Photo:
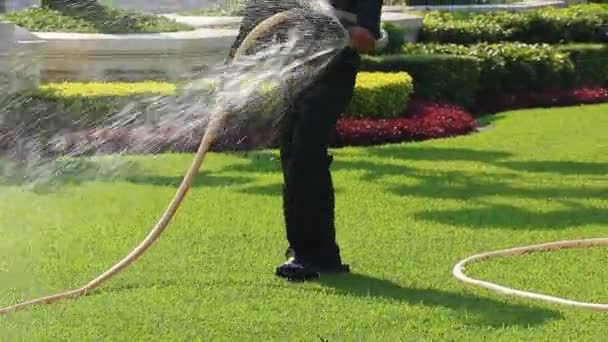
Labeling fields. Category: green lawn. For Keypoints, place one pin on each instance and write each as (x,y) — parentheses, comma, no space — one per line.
(406,213)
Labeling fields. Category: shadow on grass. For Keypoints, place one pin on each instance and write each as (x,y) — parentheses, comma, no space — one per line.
(494,158)
(201,180)
(402,152)
(558,167)
(460,186)
(275,189)
(485,311)
(267,162)
(430,183)
(472,187)
(486,121)
(52,176)
(509,217)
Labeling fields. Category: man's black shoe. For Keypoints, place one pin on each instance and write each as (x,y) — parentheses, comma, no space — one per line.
(294,269)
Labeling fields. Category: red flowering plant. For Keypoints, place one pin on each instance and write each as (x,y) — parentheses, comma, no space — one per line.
(421,120)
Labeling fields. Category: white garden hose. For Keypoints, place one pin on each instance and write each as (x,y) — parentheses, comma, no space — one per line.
(458,271)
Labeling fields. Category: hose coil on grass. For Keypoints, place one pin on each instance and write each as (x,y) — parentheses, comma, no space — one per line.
(458,271)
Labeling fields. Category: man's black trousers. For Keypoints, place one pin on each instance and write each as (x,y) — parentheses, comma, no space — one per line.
(304,133)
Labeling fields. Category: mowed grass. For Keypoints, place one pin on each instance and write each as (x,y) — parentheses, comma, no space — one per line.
(406,214)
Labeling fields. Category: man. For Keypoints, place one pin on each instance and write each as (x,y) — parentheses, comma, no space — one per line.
(305,128)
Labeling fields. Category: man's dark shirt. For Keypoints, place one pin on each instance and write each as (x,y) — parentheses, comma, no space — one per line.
(368,13)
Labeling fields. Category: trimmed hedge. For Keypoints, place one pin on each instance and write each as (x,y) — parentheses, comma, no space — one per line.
(512,67)
(461,74)
(578,23)
(590,63)
(448,78)
(380,94)
(509,67)
(94,90)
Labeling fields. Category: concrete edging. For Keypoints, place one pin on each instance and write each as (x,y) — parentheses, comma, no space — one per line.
(110,57)
(85,57)
(20,59)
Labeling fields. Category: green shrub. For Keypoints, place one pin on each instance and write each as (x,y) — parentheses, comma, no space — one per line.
(396,38)
(100,20)
(443,27)
(94,90)
(379,94)
(590,63)
(436,77)
(579,23)
(508,67)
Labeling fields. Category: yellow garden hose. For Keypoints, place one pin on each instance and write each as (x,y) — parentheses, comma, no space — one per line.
(211,133)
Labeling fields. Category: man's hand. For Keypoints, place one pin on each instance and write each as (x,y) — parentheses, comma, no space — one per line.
(361,39)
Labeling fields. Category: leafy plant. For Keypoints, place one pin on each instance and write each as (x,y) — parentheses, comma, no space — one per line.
(437,77)
(86,20)
(508,67)
(380,94)
(590,63)
(578,23)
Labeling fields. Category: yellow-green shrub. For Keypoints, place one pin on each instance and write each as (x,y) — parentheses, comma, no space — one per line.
(99,89)
(379,94)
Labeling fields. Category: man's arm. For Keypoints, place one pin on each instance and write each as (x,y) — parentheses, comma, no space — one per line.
(368,35)
(369,14)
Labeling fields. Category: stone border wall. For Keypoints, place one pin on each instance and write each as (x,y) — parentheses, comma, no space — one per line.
(129,57)
(20,59)
(106,57)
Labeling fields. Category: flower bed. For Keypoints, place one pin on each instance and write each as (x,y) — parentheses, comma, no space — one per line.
(543,98)
(422,120)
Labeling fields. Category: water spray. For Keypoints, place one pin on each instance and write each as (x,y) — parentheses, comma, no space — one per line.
(212,132)
(214,128)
